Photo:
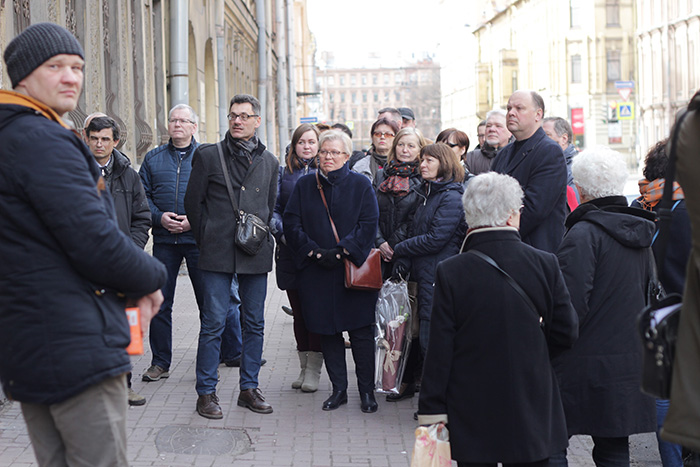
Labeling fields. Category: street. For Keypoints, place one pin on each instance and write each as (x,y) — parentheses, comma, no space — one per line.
(168,432)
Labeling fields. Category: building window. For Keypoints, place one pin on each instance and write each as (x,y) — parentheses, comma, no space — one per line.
(342,97)
(376,97)
(397,78)
(375,79)
(353,80)
(575,68)
(614,65)
(331,81)
(364,97)
(386,78)
(397,96)
(342,80)
(364,80)
(332,114)
(354,97)
(364,114)
(386,95)
(331,97)
(354,113)
(575,10)
(341,115)
(514,81)
(612,12)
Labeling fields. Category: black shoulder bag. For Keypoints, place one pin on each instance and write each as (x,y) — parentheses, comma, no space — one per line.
(658,321)
(251,231)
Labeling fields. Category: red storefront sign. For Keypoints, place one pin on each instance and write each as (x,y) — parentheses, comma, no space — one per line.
(577,120)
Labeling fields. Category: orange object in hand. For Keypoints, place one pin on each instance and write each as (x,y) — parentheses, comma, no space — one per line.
(133,315)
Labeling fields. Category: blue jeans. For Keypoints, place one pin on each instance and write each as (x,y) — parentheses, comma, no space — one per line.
(252,289)
(231,337)
(671,455)
(607,452)
(161,327)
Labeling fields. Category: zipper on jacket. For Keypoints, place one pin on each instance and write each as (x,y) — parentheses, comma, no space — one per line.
(177,187)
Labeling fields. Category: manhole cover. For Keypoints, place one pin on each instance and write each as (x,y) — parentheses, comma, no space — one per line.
(194,440)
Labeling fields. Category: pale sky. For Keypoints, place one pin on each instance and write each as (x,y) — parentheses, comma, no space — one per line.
(392,29)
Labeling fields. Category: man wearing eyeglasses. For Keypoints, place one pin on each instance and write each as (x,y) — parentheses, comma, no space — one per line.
(165,173)
(252,172)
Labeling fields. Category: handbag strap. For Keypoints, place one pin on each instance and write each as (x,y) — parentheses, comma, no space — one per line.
(227,178)
(511,282)
(325,203)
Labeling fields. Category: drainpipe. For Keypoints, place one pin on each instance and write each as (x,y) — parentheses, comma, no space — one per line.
(667,69)
(179,82)
(283,115)
(221,69)
(290,64)
(262,68)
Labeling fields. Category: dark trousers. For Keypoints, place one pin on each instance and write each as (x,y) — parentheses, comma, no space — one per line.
(362,341)
(542,463)
(607,452)
(161,327)
(307,341)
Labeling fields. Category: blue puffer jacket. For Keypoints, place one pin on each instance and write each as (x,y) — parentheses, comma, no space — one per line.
(285,269)
(165,176)
(436,234)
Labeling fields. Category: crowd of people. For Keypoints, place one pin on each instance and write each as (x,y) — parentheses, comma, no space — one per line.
(527,263)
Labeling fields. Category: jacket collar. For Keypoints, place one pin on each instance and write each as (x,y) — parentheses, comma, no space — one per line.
(610,204)
(193,145)
(490,234)
(516,158)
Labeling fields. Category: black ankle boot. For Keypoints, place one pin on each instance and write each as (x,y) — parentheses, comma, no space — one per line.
(337,399)
(368,403)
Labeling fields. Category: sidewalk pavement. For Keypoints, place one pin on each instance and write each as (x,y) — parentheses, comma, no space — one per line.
(168,432)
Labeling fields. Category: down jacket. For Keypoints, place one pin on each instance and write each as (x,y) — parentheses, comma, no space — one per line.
(437,232)
(396,212)
(66,268)
(165,176)
(605,259)
(285,269)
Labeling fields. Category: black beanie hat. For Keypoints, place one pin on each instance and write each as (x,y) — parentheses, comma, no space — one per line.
(36,44)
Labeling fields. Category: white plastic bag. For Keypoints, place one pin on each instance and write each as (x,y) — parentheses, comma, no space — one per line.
(431,449)
(393,336)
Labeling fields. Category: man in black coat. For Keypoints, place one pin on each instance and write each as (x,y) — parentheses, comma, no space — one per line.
(538,164)
(253,173)
(67,270)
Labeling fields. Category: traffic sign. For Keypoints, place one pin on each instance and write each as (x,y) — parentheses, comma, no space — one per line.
(624,89)
(625,110)
(308,120)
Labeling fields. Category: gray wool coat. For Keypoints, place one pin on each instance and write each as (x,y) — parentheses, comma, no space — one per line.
(210,212)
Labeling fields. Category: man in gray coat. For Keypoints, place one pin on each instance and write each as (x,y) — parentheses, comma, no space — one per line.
(253,173)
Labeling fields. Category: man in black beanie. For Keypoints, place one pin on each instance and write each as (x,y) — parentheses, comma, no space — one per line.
(67,271)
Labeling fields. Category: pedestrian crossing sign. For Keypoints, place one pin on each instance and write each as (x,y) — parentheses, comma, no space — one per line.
(625,110)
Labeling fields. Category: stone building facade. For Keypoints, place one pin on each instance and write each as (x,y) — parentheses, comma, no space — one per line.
(668,44)
(354,95)
(129,72)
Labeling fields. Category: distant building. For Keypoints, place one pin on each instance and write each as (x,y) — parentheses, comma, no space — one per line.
(668,44)
(354,95)
(571,52)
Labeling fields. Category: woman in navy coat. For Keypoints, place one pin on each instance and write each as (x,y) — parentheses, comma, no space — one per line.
(438,227)
(328,307)
(301,161)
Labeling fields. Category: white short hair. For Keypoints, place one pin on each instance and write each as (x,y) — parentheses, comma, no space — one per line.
(490,199)
(599,172)
(336,135)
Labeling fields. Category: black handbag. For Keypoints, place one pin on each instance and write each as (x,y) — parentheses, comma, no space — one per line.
(658,321)
(251,231)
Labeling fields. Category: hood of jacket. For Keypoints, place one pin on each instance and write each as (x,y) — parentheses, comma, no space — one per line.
(631,227)
(121,162)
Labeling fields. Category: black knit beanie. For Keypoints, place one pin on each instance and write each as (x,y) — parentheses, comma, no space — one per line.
(36,44)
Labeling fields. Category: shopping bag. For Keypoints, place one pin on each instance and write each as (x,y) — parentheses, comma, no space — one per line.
(393,321)
(431,449)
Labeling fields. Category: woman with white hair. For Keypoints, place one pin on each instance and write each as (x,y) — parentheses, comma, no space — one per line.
(605,259)
(487,373)
(319,249)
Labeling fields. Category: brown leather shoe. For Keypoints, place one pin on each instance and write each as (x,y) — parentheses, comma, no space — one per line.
(254,400)
(208,406)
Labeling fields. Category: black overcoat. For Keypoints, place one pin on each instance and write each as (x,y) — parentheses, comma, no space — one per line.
(540,168)
(328,306)
(488,361)
(605,259)
(210,212)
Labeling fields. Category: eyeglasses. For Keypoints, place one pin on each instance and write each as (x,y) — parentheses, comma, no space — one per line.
(333,154)
(385,134)
(181,121)
(244,117)
(97,139)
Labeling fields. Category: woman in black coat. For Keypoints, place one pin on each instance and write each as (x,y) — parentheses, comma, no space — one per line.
(487,371)
(397,197)
(328,307)
(437,229)
(301,161)
(605,259)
